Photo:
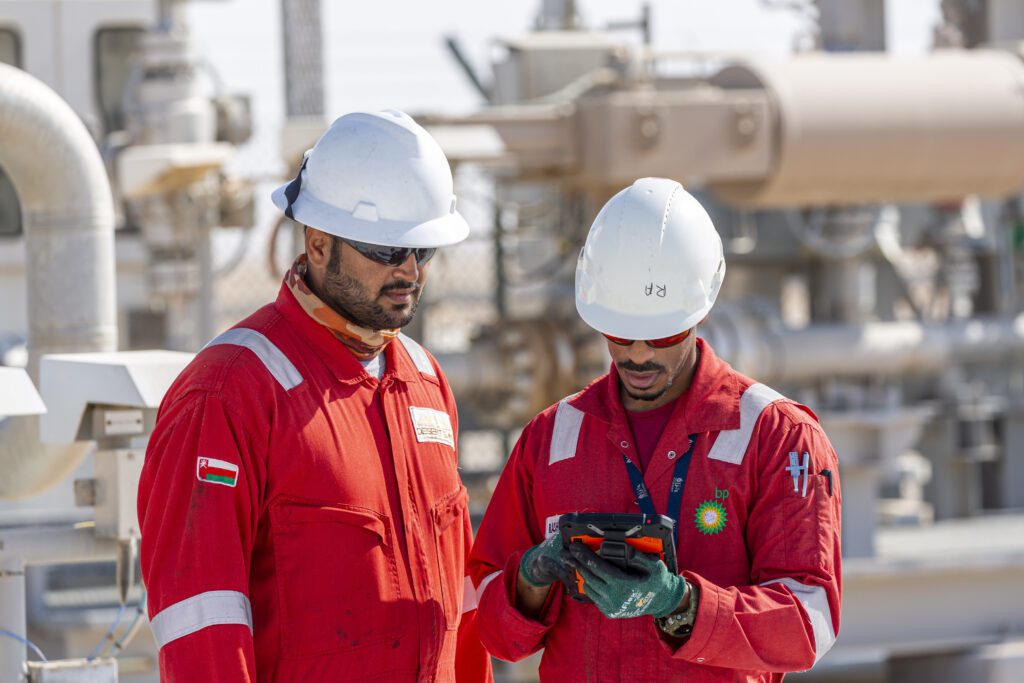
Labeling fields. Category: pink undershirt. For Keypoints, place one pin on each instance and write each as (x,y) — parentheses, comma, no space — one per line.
(647,426)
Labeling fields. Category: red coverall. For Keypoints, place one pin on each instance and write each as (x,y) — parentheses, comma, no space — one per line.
(303,521)
(766,557)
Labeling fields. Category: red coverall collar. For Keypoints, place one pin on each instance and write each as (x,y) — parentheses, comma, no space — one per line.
(712,403)
(336,355)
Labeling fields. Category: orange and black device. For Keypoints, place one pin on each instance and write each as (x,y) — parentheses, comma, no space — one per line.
(618,537)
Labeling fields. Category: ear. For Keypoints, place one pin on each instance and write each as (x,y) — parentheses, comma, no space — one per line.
(318,248)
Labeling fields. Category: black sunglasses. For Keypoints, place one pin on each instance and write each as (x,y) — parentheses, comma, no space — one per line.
(390,256)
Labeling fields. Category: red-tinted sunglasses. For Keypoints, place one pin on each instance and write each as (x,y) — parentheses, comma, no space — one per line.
(662,343)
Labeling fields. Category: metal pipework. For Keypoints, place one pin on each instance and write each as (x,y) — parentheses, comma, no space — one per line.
(517,369)
(513,372)
(36,545)
(759,346)
(68,217)
(863,128)
(815,129)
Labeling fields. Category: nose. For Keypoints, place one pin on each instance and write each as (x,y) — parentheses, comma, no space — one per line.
(409,270)
(640,353)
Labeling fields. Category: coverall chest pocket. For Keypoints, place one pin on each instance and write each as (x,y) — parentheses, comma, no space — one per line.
(449,537)
(337,578)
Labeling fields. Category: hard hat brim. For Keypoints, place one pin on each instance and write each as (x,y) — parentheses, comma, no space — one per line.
(442,231)
(636,326)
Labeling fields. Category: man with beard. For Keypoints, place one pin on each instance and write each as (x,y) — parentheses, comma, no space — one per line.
(302,517)
(747,476)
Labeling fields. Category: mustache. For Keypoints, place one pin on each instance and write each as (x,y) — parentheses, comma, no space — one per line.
(402,285)
(649,366)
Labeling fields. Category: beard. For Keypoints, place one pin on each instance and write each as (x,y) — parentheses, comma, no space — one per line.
(351,299)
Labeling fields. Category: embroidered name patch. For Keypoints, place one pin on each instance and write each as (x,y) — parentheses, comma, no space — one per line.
(214,471)
(432,426)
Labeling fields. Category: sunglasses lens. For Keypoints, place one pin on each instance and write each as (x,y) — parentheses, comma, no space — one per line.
(662,343)
(618,340)
(666,342)
(391,256)
(424,255)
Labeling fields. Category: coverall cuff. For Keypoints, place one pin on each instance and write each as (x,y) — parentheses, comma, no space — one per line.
(530,627)
(709,608)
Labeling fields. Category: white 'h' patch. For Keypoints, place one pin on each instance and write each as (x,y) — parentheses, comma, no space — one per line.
(551,526)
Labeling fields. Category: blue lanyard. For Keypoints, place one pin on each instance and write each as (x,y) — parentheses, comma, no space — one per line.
(675,494)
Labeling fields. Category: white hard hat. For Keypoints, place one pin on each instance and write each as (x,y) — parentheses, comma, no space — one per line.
(652,265)
(377,178)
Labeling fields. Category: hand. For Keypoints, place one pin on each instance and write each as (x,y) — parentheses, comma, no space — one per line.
(621,594)
(542,564)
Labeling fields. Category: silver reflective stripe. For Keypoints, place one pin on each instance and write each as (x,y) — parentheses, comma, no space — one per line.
(418,355)
(731,444)
(271,356)
(198,612)
(566,434)
(815,603)
(483,585)
(469,600)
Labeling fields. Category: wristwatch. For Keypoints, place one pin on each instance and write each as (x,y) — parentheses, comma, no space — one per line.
(680,624)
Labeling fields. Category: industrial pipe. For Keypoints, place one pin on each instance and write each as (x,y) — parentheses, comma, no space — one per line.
(763,348)
(868,127)
(68,218)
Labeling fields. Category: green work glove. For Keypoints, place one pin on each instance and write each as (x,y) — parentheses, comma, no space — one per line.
(621,594)
(542,564)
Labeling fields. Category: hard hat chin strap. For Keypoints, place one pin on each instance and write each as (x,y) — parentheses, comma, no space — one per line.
(291,193)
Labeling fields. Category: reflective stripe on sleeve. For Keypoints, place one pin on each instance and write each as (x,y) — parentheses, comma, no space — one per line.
(566,433)
(815,603)
(196,613)
(731,444)
(272,357)
(418,355)
(469,600)
(483,585)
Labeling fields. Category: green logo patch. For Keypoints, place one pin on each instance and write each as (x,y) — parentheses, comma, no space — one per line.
(710,518)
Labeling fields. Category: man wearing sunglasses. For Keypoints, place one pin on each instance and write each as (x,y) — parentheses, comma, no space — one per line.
(302,515)
(747,476)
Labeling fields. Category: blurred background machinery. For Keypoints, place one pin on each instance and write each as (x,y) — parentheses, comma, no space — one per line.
(870,207)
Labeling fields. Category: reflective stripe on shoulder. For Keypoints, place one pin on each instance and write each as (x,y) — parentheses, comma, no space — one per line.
(566,433)
(272,357)
(196,613)
(815,603)
(469,600)
(418,355)
(731,444)
(483,585)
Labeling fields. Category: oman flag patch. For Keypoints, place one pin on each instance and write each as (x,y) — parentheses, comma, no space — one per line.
(215,471)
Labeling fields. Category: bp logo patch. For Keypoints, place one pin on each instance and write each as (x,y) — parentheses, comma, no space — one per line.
(710,518)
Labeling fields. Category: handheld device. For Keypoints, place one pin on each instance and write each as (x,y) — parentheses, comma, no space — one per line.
(618,537)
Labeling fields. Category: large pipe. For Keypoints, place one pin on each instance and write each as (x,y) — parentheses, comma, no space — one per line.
(763,348)
(68,218)
(863,128)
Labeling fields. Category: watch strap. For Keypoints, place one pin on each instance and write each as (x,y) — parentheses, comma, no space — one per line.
(680,624)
